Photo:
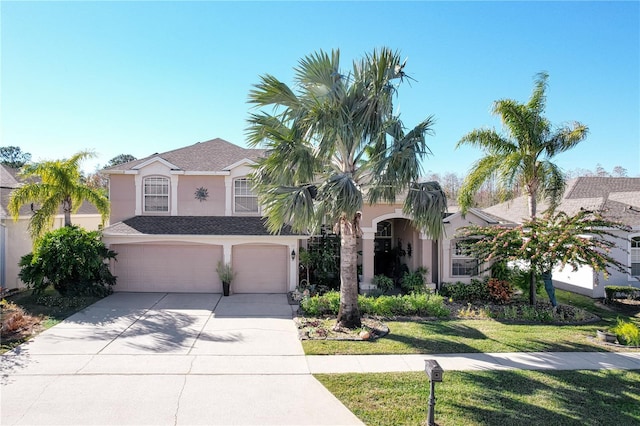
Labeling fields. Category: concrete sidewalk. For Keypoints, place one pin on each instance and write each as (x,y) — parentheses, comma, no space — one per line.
(475,361)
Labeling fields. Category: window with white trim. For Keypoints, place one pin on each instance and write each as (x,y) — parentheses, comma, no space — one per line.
(244,199)
(156,194)
(635,256)
(462,263)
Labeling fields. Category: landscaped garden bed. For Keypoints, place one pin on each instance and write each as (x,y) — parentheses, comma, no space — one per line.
(23,314)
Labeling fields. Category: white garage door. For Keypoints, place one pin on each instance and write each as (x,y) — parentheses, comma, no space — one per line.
(171,268)
(260,269)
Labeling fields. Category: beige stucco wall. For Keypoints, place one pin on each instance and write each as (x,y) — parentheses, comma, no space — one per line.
(18,243)
(369,213)
(122,195)
(455,222)
(188,205)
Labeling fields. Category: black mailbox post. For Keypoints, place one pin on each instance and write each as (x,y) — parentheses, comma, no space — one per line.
(434,372)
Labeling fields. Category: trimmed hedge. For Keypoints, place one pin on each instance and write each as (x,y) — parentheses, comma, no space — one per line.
(417,304)
(613,290)
(474,292)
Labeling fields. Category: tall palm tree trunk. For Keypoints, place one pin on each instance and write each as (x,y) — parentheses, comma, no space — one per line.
(66,209)
(533,205)
(532,196)
(349,313)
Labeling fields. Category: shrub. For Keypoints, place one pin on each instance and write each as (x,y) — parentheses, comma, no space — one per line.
(14,320)
(612,291)
(477,290)
(414,304)
(501,271)
(426,304)
(414,282)
(383,283)
(627,332)
(500,290)
(327,304)
(72,260)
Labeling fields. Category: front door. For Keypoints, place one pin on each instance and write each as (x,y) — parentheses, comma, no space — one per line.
(383,253)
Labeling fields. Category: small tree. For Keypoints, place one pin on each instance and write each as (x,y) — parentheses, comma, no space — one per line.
(545,243)
(72,260)
(55,184)
(13,156)
(120,159)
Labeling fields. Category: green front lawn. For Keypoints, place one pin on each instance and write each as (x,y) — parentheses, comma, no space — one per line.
(485,335)
(461,336)
(492,397)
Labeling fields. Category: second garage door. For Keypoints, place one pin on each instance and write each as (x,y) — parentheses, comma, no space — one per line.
(260,268)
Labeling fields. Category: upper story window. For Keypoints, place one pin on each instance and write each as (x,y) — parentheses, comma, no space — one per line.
(635,256)
(244,199)
(156,194)
(462,262)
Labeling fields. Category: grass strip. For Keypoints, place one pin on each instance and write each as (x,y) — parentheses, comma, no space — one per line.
(514,397)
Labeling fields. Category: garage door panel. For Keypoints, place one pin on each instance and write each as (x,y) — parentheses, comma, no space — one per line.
(170,268)
(260,269)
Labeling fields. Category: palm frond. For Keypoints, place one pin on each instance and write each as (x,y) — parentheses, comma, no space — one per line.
(566,138)
(481,171)
(341,194)
(293,206)
(488,140)
(538,100)
(426,203)
(272,92)
(552,184)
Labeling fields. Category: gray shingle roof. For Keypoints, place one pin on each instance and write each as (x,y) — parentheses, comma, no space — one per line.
(192,225)
(211,156)
(616,198)
(8,182)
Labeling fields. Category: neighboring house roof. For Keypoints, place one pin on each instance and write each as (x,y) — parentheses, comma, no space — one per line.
(8,183)
(192,225)
(215,155)
(452,211)
(617,198)
(10,180)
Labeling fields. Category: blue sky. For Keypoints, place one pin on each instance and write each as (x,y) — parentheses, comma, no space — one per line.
(143,77)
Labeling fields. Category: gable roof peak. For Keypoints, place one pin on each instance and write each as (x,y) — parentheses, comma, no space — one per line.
(214,155)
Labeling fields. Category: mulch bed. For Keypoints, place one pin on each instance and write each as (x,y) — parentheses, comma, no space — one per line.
(324,329)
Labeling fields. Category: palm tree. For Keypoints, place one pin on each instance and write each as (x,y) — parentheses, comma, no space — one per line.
(333,144)
(52,184)
(521,159)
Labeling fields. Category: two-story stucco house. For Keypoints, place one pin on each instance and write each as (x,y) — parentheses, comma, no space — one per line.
(175,215)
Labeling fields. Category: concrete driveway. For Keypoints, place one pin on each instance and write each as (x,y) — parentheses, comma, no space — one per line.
(168,359)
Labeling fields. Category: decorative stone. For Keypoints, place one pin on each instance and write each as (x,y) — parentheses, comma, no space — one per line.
(365,335)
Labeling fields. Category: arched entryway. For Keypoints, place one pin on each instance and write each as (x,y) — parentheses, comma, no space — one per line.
(391,245)
(393,248)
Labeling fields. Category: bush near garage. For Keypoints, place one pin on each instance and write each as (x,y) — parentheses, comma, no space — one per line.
(72,260)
